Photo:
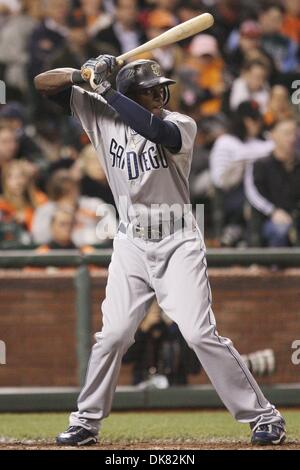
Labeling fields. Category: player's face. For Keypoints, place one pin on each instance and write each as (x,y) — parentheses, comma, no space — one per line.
(151,99)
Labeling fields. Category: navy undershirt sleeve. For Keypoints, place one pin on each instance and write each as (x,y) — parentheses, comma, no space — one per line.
(153,128)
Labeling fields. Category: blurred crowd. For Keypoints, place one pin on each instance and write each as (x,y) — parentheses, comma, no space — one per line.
(239,81)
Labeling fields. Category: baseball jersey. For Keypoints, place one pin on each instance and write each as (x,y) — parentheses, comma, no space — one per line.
(142,175)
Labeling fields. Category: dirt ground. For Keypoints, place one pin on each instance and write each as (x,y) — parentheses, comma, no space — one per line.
(149,446)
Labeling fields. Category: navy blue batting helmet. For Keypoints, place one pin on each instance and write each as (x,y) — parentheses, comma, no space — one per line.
(141,74)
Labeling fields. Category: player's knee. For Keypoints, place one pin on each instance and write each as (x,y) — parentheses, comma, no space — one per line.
(198,336)
(118,339)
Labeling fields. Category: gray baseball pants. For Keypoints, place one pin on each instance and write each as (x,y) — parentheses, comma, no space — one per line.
(173,270)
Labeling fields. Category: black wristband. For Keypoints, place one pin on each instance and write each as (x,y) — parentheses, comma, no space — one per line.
(76,77)
(109,93)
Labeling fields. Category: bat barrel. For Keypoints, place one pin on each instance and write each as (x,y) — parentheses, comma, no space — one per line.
(173,35)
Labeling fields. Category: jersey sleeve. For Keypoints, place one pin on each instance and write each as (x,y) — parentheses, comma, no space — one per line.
(188,130)
(90,109)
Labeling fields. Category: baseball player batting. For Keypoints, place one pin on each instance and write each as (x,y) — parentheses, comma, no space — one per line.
(146,152)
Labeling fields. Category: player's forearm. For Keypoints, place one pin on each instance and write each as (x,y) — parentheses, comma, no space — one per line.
(56,80)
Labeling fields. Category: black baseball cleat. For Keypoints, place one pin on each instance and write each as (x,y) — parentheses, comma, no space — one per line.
(268,434)
(76,436)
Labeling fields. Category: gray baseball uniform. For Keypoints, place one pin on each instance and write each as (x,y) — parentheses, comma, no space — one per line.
(173,269)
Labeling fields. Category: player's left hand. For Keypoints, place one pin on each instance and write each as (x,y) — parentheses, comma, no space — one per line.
(101,68)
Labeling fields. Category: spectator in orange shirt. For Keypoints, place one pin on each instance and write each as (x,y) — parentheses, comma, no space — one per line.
(203,76)
(279,106)
(19,200)
(291,20)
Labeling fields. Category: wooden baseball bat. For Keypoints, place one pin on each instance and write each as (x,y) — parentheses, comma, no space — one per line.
(175,34)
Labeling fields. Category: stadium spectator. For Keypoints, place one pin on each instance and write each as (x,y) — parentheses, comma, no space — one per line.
(47,39)
(272,187)
(78,47)
(14,53)
(124,34)
(242,44)
(13,116)
(94,14)
(89,172)
(228,160)
(18,202)
(291,20)
(171,5)
(169,57)
(227,15)
(201,186)
(160,356)
(275,43)
(187,9)
(255,55)
(279,106)
(49,36)
(61,228)
(94,220)
(9,147)
(252,84)
(8,144)
(7,9)
(202,76)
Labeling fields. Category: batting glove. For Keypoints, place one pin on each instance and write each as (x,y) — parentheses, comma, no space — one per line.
(101,68)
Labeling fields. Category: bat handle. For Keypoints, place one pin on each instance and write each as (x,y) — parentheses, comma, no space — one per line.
(87,72)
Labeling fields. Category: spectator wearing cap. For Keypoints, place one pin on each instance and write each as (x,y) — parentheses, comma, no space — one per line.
(252,84)
(275,43)
(202,76)
(244,45)
(169,57)
(12,115)
(273,188)
(230,155)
